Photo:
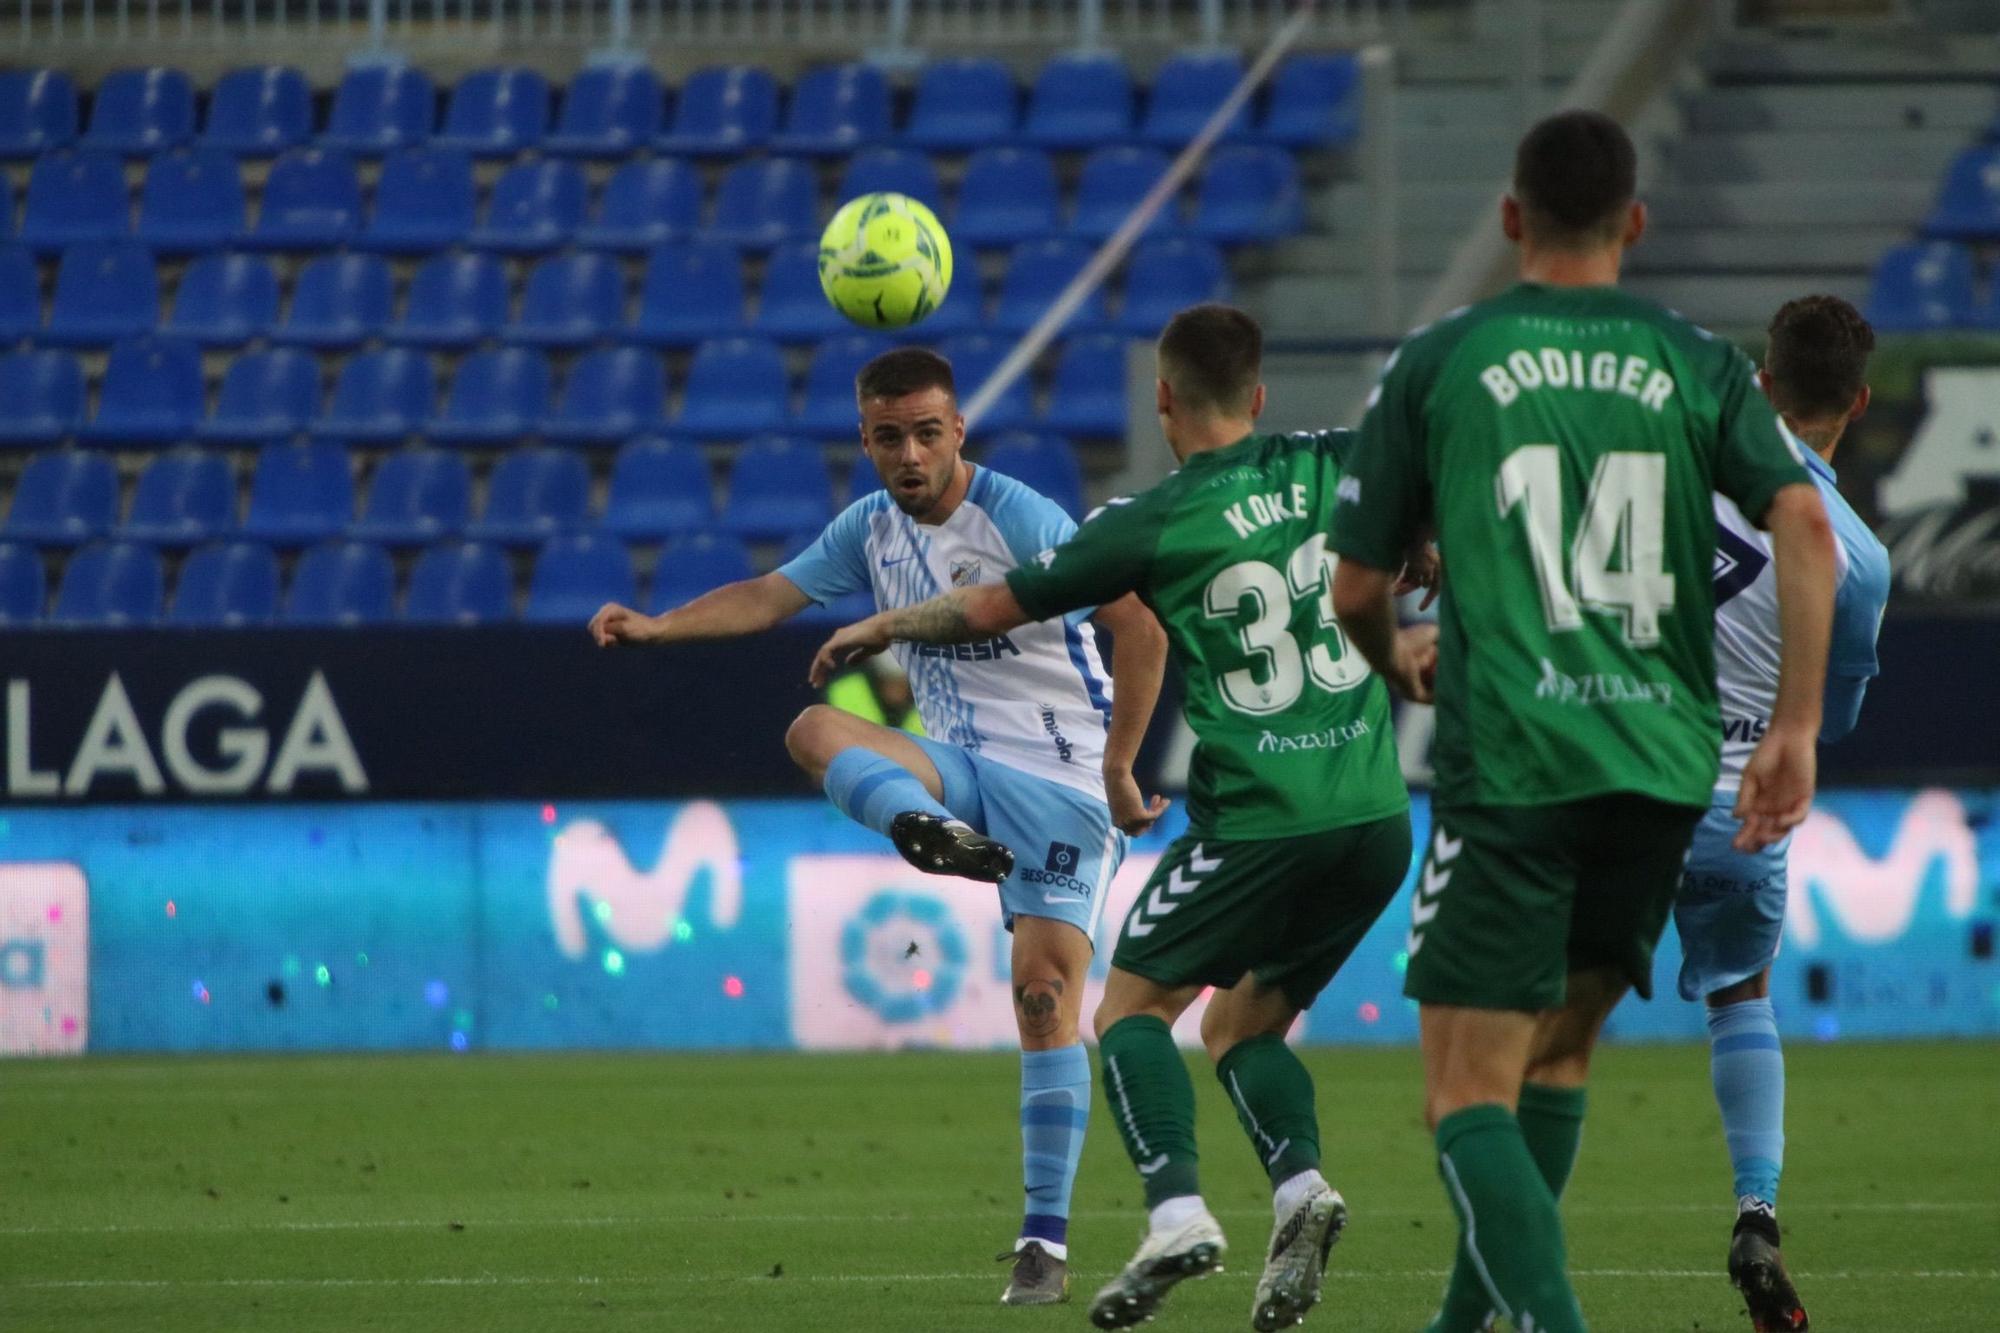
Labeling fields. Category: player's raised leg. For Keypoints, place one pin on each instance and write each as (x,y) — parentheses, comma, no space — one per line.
(883,779)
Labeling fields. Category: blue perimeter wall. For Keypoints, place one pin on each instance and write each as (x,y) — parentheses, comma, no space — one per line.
(771,923)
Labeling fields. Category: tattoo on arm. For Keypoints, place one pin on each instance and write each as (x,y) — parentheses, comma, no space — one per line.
(1040,1006)
(940,620)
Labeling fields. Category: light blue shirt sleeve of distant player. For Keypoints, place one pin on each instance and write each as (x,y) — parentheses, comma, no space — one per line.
(836,563)
(1029,521)
(1858,604)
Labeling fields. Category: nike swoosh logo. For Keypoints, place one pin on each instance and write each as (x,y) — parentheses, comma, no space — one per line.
(1148,1168)
(886,561)
(1062,897)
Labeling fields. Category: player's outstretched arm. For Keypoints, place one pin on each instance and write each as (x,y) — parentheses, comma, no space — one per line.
(744,607)
(1363,601)
(1778,781)
(963,615)
(1138,663)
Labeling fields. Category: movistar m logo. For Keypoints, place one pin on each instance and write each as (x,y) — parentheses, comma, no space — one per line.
(1872,899)
(639,909)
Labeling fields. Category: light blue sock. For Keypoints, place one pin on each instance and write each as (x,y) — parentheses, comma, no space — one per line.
(1055,1107)
(1748,1068)
(872,790)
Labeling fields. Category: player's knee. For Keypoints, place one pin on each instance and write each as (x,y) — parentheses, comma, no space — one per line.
(812,739)
(1044,1010)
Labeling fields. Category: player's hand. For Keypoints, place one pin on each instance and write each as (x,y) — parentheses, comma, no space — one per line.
(1414,672)
(851,644)
(1424,569)
(1777,789)
(614,624)
(1130,810)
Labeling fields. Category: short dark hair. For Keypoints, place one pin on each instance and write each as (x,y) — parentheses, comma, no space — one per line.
(1212,356)
(1574,175)
(1817,357)
(902,371)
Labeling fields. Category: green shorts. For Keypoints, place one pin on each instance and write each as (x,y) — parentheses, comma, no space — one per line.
(1514,898)
(1289,910)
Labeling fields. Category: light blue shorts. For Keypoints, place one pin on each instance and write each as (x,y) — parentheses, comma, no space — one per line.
(1730,910)
(1065,849)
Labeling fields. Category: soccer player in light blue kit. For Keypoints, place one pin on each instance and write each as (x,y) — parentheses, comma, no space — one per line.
(1730,911)
(1025,775)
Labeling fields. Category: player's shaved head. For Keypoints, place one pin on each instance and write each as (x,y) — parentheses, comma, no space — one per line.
(1817,360)
(1575,175)
(1212,357)
(902,372)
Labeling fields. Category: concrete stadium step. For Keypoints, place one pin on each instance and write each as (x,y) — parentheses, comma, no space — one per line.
(1837,202)
(1492,61)
(1738,301)
(1869,156)
(1876,53)
(1466,108)
(1765,250)
(1325,306)
(1966,108)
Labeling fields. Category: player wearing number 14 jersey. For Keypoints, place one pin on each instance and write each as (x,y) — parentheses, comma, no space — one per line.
(1298,821)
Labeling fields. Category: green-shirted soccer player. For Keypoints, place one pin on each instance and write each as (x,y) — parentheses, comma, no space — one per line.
(1298,821)
(1564,439)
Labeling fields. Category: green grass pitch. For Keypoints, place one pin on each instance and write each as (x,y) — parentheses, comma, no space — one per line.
(825,1193)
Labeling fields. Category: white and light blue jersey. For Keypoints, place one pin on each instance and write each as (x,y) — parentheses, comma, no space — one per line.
(1037,698)
(1746,614)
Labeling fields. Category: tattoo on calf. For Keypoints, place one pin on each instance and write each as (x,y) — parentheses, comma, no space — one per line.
(1040,1003)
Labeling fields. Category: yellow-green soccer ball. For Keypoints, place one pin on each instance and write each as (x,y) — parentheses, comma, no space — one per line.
(884,261)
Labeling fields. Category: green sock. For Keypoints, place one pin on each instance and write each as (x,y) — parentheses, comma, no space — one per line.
(1273,1096)
(1509,1227)
(1551,1122)
(1152,1103)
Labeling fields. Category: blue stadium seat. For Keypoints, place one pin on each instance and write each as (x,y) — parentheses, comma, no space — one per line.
(1315,101)
(75,197)
(265,396)
(342,583)
(226,586)
(691,290)
(1080,101)
(697,563)
(576,574)
(1037,271)
(892,171)
(24,585)
(1968,203)
(1008,196)
(963,104)
(184,497)
(611,394)
(460,583)
(1249,194)
(766,202)
(64,497)
(496,112)
(41,397)
(570,300)
(777,486)
(1043,464)
(659,488)
(1189,89)
(140,111)
(829,410)
(151,393)
(111,584)
(192,201)
(974,357)
(608,111)
(792,307)
(20,295)
(380,398)
(1088,396)
(735,387)
(225,300)
(455,301)
(416,497)
(339,301)
(723,109)
(646,203)
(535,206)
(104,292)
(424,201)
(380,108)
(6,207)
(259,111)
(498,396)
(300,493)
(1922,287)
(312,201)
(37,112)
(1113,182)
(836,109)
(536,493)
(1165,276)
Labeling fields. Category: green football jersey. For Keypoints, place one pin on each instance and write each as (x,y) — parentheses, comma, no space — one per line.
(1566,442)
(1292,729)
